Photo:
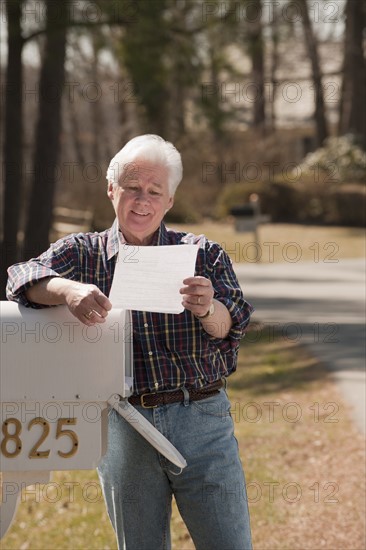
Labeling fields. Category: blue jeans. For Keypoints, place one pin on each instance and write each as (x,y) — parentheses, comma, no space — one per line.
(138,482)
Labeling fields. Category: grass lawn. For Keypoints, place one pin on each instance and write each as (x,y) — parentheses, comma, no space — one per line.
(304,464)
(278,242)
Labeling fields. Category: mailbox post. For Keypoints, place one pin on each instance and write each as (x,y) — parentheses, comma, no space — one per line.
(248,218)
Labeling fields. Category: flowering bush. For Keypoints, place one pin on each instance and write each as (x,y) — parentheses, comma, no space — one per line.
(340,159)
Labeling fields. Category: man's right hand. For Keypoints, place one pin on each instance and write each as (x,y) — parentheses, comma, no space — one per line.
(86,302)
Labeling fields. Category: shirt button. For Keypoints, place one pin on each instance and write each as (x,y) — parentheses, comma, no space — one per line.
(150,352)
(146,325)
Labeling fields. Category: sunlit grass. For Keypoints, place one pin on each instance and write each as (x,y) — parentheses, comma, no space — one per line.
(284,242)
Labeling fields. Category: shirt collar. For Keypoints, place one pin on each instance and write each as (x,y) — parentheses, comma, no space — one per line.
(113,244)
(160,238)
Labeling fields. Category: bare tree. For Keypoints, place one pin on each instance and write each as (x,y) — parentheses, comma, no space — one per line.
(312,49)
(275,38)
(13,139)
(256,52)
(352,106)
(144,52)
(48,130)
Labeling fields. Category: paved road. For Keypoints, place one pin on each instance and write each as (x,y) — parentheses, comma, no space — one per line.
(321,305)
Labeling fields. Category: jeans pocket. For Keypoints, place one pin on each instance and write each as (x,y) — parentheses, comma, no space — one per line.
(217,405)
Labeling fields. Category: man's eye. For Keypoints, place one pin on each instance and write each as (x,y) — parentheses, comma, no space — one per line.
(156,193)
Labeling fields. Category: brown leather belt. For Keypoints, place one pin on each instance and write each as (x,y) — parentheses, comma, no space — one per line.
(152,400)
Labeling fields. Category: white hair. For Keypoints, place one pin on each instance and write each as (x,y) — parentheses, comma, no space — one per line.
(147,147)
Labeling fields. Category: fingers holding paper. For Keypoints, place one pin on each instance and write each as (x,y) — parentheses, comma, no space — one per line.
(198,294)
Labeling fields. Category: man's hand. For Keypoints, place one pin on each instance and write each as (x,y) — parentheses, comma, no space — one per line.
(197,295)
(87,303)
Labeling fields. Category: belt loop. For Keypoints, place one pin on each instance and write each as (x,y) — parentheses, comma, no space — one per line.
(186,396)
(225,382)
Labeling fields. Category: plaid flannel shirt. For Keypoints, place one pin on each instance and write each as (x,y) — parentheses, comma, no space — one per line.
(170,351)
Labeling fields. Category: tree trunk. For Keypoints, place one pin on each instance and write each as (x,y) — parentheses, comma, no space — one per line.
(145,48)
(12,140)
(212,101)
(312,49)
(256,52)
(274,66)
(48,130)
(352,107)
(75,135)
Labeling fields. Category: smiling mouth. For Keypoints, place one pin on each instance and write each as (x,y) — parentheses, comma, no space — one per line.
(143,214)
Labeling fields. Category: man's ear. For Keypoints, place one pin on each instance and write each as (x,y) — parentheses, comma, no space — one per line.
(170,203)
(110,191)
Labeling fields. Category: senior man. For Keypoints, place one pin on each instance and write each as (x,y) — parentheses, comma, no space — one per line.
(181,362)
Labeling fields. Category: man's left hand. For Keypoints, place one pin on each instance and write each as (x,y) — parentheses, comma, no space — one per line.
(197,295)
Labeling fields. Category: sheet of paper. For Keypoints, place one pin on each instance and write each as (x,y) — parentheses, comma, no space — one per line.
(148,278)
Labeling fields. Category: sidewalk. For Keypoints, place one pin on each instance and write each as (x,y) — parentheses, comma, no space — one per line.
(321,305)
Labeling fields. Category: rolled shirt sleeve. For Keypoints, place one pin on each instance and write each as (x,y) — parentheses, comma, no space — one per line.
(227,290)
(57,261)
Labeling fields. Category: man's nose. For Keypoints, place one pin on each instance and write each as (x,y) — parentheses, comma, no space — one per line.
(143,196)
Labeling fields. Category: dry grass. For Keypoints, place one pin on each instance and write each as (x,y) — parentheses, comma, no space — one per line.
(281,242)
(317,462)
(303,458)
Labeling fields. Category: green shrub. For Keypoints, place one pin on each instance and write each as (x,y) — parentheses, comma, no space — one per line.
(237,194)
(347,206)
(339,161)
(344,205)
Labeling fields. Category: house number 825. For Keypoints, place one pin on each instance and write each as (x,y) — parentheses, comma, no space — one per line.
(15,433)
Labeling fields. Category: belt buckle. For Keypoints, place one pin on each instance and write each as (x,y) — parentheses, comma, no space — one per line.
(143,404)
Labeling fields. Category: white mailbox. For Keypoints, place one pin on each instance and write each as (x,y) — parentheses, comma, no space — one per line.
(57,379)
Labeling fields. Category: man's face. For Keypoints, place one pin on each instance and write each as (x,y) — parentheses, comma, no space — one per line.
(141,200)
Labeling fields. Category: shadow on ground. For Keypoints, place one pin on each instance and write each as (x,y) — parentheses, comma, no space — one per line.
(271,363)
